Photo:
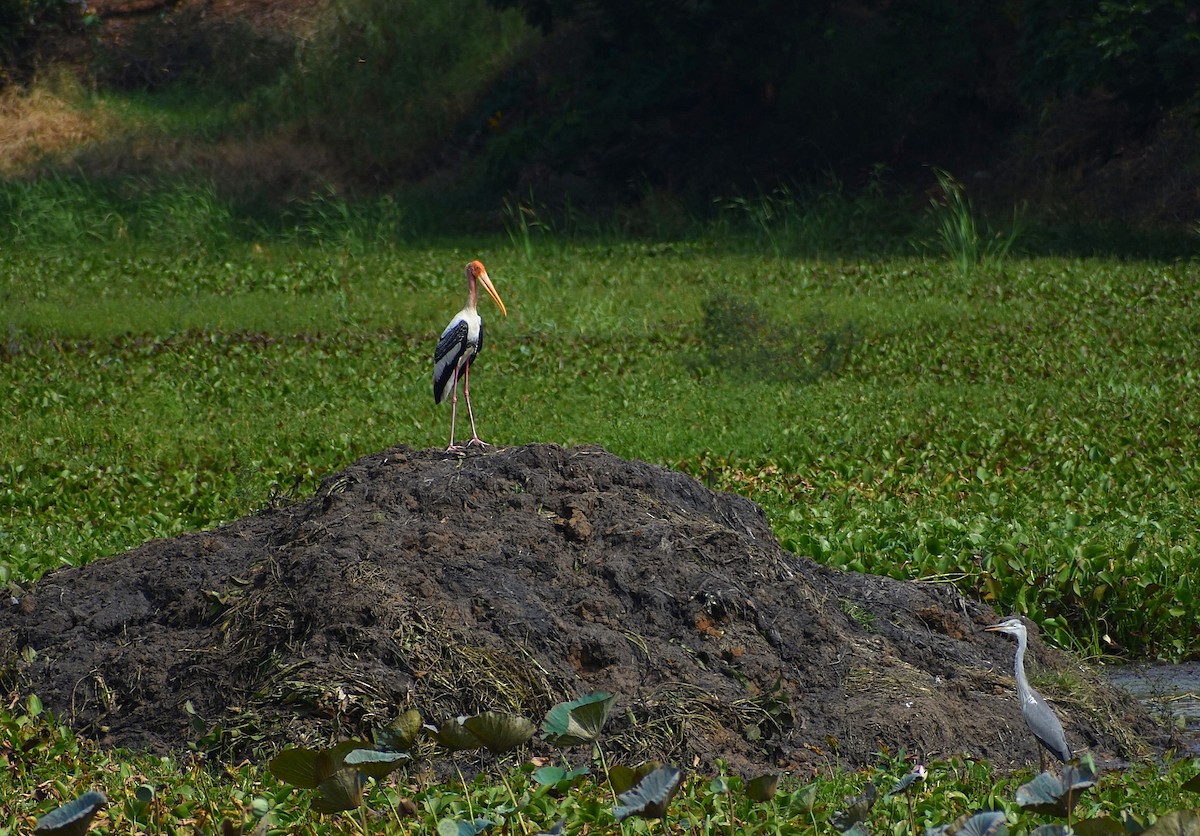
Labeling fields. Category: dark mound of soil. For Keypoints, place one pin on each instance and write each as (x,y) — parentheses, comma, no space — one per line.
(513,579)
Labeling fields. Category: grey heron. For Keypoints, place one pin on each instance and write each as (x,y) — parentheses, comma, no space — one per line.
(1037,713)
(457,347)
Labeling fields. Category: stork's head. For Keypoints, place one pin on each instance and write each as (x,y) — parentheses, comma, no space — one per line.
(477,273)
(1012,625)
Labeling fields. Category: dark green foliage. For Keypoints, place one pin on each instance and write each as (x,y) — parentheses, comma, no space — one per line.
(979,824)
(24,24)
(1175,823)
(1057,795)
(386,81)
(763,788)
(1146,53)
(739,336)
(452,827)
(245,798)
(402,733)
(192,48)
(559,781)
(492,730)
(375,764)
(689,94)
(914,777)
(622,778)
(857,810)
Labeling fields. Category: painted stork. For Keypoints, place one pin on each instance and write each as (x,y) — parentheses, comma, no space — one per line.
(457,347)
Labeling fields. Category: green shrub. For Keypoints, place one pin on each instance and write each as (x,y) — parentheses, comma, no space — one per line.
(23,23)
(385,81)
(189,47)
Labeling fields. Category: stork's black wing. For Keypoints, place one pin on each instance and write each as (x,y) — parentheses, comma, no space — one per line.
(446,357)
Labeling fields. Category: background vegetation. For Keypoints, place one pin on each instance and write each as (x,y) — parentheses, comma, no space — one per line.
(1085,109)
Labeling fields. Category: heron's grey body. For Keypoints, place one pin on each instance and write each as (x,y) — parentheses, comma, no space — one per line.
(1038,715)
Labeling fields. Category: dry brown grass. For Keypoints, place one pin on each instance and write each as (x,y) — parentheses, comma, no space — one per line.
(49,120)
(53,124)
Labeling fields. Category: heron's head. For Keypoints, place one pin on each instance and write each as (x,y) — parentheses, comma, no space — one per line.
(1013,625)
(477,273)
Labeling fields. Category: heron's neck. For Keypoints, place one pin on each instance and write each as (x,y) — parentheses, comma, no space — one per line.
(1019,664)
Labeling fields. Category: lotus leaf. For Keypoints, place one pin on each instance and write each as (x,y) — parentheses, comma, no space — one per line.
(74,817)
(579,721)
(762,788)
(649,799)
(499,732)
(376,764)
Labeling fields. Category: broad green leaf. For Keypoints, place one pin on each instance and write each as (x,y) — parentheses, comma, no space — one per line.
(914,776)
(857,809)
(980,824)
(376,764)
(1051,830)
(454,735)
(1175,823)
(624,778)
(402,733)
(1055,795)
(1103,826)
(559,780)
(762,788)
(340,791)
(307,768)
(807,796)
(296,766)
(991,823)
(499,732)
(649,799)
(74,817)
(453,827)
(578,722)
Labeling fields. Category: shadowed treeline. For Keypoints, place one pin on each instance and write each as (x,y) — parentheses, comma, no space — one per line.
(649,115)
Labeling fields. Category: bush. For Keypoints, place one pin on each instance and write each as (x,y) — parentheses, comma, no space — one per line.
(386,80)
(23,24)
(1145,53)
(188,47)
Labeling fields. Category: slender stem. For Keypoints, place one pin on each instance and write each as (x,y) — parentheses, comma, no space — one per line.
(516,806)
(604,766)
(466,794)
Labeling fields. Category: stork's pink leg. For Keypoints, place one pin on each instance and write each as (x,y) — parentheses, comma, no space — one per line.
(454,411)
(475,439)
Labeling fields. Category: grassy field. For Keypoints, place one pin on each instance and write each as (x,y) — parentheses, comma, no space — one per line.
(1025,429)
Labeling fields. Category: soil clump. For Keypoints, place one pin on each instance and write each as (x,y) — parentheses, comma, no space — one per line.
(512,579)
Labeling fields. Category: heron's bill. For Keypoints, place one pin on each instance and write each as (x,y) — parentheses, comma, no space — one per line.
(487,285)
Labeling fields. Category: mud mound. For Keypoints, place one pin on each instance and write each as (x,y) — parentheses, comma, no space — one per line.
(514,579)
